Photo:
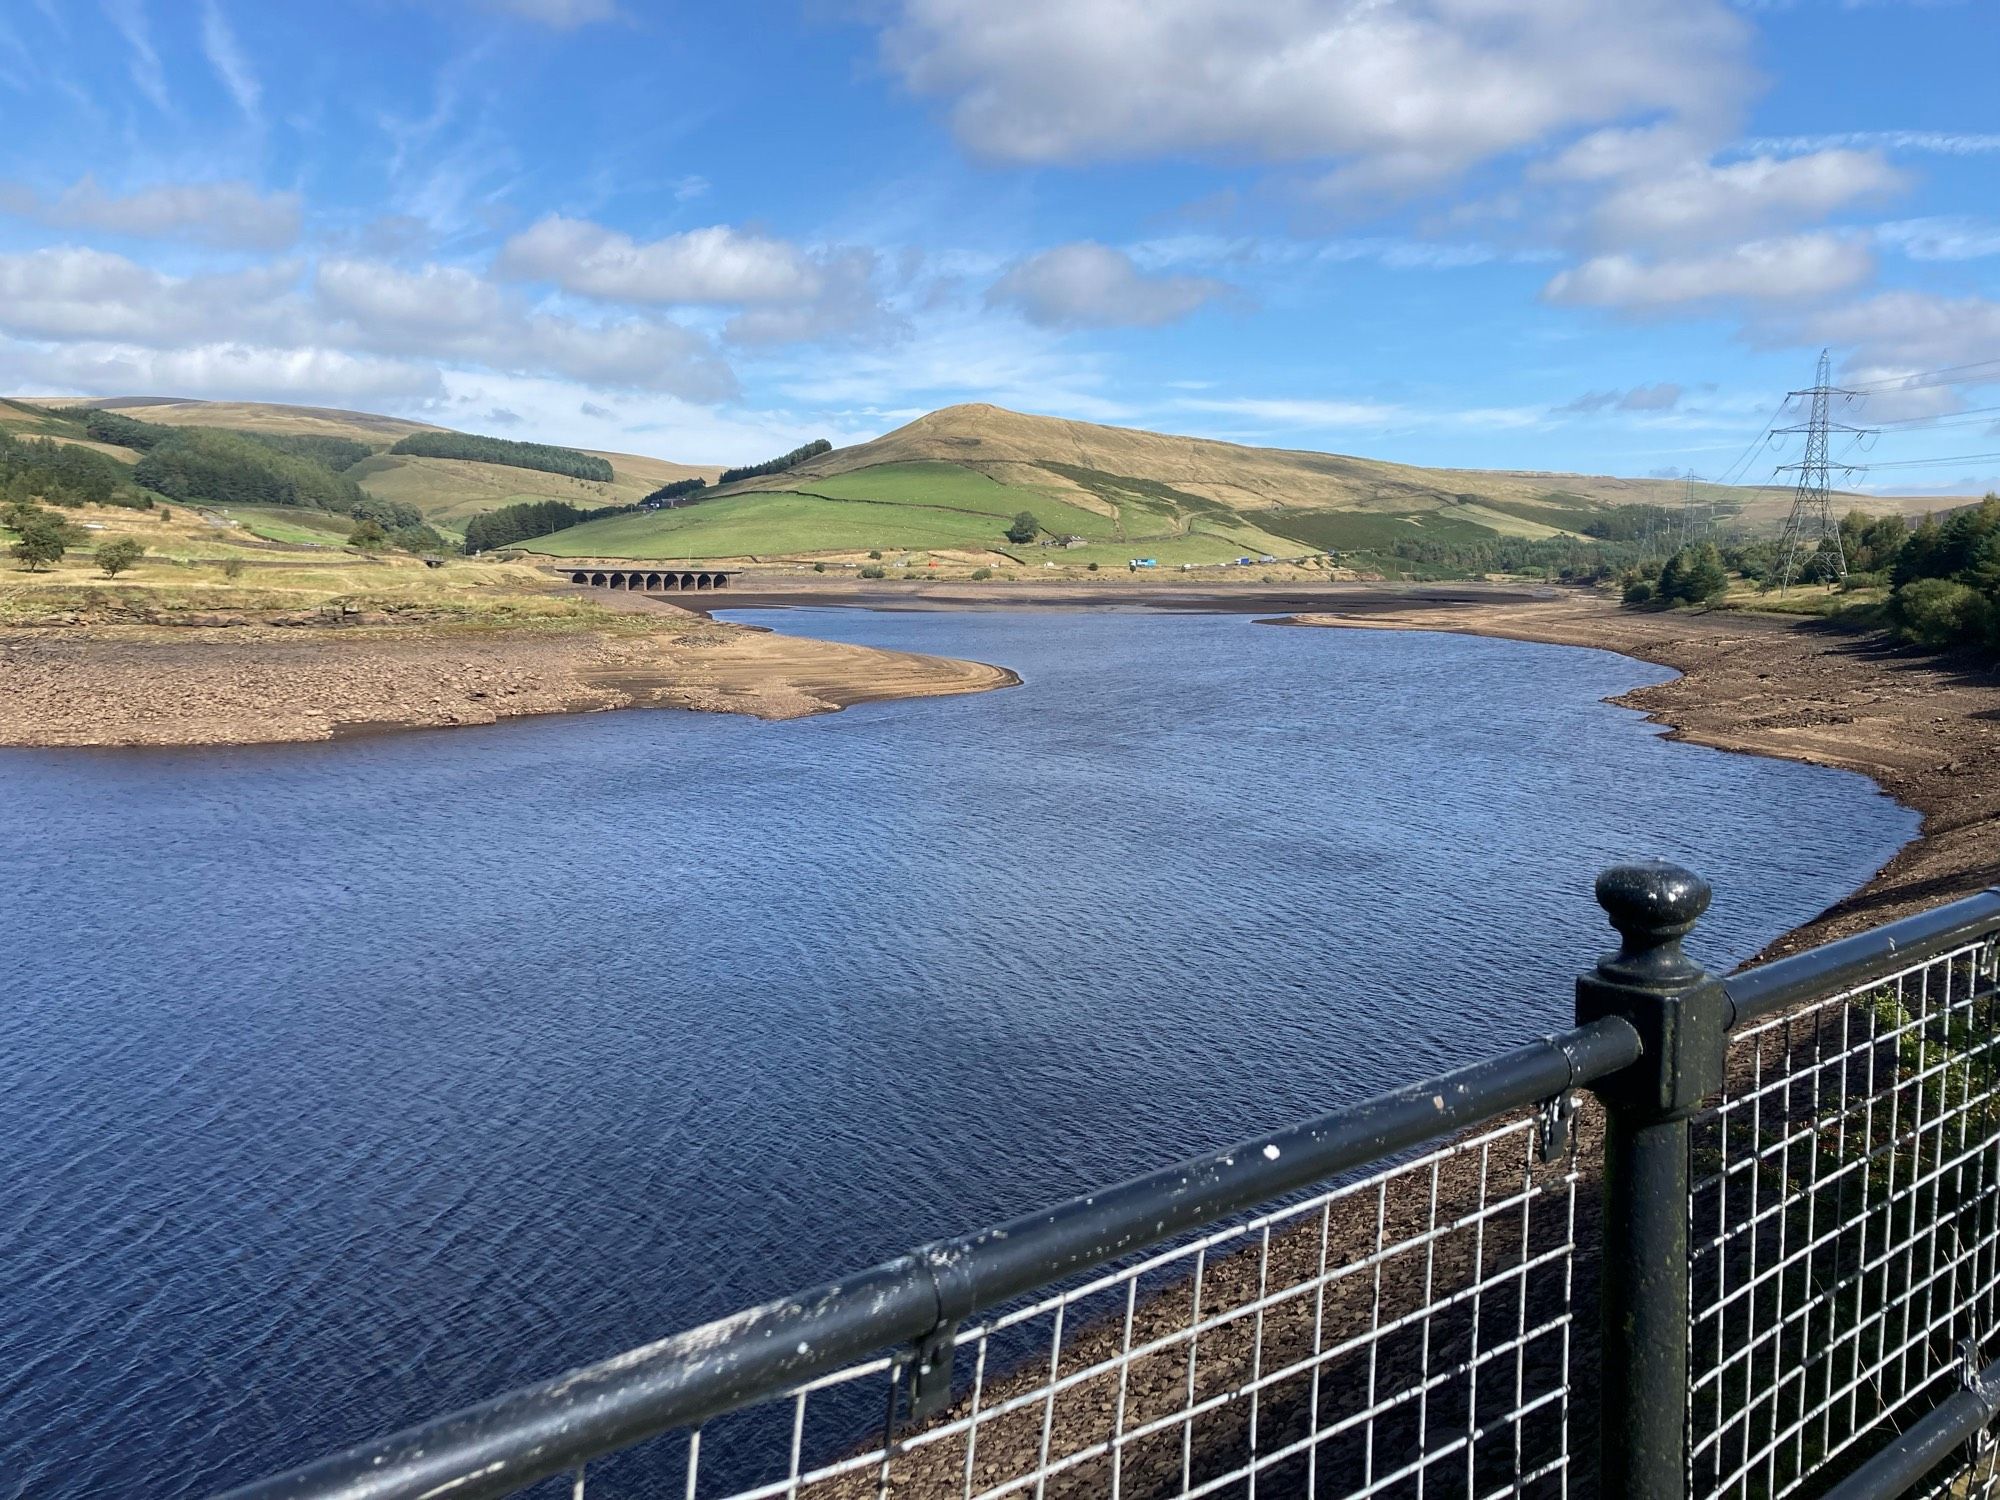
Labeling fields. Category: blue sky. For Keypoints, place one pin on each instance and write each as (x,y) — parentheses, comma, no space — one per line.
(1603,235)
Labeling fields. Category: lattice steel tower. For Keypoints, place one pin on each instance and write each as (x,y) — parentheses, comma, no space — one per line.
(1811,522)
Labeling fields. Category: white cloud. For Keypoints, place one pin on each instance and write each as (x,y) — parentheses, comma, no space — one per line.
(1941,238)
(226,371)
(1087,285)
(451,313)
(717,264)
(79,294)
(230,215)
(414,308)
(226,56)
(1793,267)
(362,309)
(1402,95)
(844,305)
(1702,203)
(1895,336)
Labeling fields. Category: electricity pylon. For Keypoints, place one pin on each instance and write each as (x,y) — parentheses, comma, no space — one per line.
(1811,522)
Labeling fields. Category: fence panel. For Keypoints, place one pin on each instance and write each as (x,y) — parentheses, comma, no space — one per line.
(1845,1265)
(1409,1333)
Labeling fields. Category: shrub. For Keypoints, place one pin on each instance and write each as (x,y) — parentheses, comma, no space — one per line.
(1638,592)
(232,568)
(980,575)
(1025,527)
(875,557)
(819,567)
(368,536)
(1093,567)
(115,557)
(875,572)
(1939,613)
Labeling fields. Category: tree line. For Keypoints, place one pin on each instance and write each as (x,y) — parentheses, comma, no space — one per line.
(330,452)
(778,465)
(1942,578)
(491,450)
(530,519)
(674,490)
(64,474)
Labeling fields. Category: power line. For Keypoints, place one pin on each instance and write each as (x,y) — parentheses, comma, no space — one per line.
(1943,418)
(1918,463)
(1911,381)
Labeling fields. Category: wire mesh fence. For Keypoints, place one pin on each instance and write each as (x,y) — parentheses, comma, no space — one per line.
(1409,1333)
(1845,1201)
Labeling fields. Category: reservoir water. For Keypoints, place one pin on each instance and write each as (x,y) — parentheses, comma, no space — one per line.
(343,1084)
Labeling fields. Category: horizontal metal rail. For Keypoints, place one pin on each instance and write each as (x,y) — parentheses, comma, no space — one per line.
(1854,961)
(1909,1456)
(505,1444)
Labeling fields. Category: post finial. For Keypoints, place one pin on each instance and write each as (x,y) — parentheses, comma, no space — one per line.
(1653,905)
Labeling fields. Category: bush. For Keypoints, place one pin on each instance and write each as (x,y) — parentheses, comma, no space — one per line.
(1939,613)
(980,575)
(1025,527)
(1093,567)
(875,572)
(1638,592)
(115,557)
(368,536)
(232,568)
(819,567)
(874,557)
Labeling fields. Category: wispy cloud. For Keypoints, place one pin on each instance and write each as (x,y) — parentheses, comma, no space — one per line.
(1941,238)
(148,76)
(232,66)
(1939,142)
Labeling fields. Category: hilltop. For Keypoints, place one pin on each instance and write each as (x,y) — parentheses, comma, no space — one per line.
(949,481)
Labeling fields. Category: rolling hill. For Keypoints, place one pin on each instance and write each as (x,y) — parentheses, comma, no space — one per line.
(448,491)
(950,481)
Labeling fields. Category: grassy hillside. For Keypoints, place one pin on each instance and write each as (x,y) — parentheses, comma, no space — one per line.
(447,491)
(925,506)
(952,480)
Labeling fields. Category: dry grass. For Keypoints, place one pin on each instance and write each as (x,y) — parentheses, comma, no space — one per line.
(183,576)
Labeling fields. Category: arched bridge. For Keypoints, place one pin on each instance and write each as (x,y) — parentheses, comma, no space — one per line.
(650,580)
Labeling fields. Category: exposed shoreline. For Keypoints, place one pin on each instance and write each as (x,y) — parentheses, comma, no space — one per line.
(130,686)
(1927,731)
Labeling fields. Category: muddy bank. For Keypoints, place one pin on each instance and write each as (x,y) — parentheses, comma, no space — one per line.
(1927,731)
(135,685)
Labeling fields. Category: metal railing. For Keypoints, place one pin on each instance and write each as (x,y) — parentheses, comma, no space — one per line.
(1766,1262)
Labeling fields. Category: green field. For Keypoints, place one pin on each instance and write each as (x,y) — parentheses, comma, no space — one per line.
(922,507)
(279,523)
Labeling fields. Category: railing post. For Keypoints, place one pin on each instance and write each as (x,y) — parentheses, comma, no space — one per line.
(1681,1015)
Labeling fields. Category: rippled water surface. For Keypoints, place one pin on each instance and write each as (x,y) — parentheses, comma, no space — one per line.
(346,1083)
